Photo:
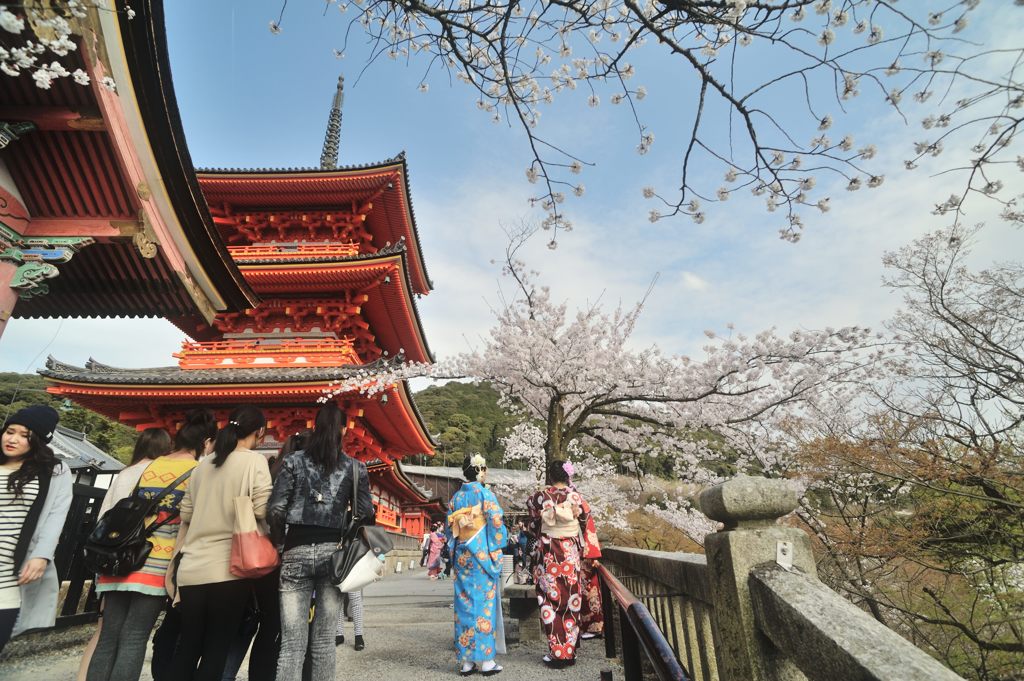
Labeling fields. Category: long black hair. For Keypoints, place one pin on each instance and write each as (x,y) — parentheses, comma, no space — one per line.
(324,448)
(243,422)
(199,426)
(37,462)
(294,443)
(152,442)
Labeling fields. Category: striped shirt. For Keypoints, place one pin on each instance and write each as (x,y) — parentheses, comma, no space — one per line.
(150,578)
(13,512)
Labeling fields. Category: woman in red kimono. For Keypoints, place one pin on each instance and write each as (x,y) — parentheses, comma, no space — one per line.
(558,519)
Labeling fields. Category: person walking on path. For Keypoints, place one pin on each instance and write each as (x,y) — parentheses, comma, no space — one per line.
(435,562)
(521,554)
(213,600)
(425,545)
(355,607)
(308,512)
(476,536)
(131,604)
(35,495)
(558,518)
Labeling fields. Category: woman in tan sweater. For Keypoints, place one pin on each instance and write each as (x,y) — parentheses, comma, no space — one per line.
(213,600)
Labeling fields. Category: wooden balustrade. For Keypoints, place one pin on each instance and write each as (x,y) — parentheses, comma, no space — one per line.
(286,352)
(387,517)
(294,252)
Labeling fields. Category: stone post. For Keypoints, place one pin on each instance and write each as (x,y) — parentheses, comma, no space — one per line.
(749,507)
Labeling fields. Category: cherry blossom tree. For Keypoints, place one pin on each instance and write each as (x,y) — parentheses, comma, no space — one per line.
(579,376)
(36,37)
(773,83)
(914,491)
(777,86)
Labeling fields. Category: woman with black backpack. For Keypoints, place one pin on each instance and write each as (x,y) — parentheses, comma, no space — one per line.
(132,603)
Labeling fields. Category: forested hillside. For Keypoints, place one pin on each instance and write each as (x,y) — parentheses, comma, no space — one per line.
(464,417)
(22,390)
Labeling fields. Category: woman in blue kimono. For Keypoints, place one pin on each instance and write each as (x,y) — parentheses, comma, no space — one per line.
(476,537)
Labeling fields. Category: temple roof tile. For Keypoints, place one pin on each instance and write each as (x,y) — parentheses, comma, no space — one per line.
(96,372)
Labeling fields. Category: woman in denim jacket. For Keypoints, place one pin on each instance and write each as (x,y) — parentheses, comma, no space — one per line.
(308,511)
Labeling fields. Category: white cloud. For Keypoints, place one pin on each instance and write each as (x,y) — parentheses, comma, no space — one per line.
(692,281)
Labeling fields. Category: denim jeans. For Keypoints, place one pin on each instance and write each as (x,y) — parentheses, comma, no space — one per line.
(305,569)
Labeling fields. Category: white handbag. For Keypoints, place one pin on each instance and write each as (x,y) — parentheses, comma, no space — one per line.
(367,570)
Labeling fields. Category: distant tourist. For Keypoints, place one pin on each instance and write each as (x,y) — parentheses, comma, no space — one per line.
(308,512)
(35,495)
(477,536)
(132,603)
(520,554)
(213,599)
(425,545)
(435,560)
(558,517)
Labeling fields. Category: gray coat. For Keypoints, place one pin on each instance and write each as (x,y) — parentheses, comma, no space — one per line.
(39,598)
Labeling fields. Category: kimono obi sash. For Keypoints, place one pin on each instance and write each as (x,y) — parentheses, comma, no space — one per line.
(559,520)
(467,522)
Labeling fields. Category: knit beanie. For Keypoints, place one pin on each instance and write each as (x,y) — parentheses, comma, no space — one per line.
(38,418)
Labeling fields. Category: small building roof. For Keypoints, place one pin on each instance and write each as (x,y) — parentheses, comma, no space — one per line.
(501,478)
(74,449)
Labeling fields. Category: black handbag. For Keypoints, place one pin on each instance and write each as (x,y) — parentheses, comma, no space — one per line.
(358,539)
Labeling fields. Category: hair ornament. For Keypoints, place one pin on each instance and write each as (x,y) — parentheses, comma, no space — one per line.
(568,468)
(233,423)
(478,460)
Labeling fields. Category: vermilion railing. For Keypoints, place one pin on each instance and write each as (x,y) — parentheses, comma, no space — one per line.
(297,252)
(289,352)
(387,516)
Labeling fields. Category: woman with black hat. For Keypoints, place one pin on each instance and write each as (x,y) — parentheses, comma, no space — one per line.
(35,495)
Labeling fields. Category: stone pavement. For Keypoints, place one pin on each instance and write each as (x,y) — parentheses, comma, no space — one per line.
(408,635)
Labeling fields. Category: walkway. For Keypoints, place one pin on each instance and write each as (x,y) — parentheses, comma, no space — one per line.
(408,636)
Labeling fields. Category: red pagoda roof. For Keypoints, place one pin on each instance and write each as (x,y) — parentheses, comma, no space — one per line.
(385,184)
(390,309)
(389,418)
(89,170)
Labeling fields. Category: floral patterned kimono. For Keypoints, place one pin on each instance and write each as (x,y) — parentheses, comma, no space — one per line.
(591,614)
(476,536)
(434,562)
(560,520)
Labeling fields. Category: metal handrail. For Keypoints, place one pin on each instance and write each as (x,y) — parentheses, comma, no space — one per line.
(638,629)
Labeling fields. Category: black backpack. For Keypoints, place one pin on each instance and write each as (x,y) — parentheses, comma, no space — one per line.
(119,544)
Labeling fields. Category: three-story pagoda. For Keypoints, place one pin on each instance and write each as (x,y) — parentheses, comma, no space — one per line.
(334,256)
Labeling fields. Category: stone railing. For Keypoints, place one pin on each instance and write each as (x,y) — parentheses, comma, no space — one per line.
(753,609)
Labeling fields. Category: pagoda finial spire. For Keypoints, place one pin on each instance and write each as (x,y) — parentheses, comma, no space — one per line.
(329,156)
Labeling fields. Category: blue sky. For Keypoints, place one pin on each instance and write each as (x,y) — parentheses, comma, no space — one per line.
(252,99)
